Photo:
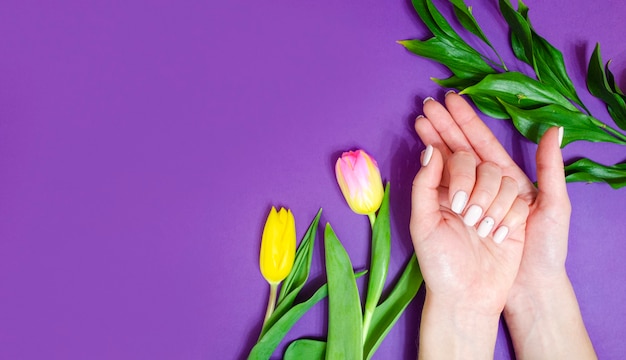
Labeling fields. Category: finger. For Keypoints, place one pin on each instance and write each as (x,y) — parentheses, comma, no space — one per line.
(461,167)
(500,206)
(488,179)
(429,135)
(445,126)
(515,218)
(550,171)
(425,209)
(485,144)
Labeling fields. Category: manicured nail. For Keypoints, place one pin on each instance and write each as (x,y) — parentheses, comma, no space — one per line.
(500,234)
(459,200)
(485,227)
(450,92)
(427,154)
(560,136)
(419,117)
(472,215)
(427,100)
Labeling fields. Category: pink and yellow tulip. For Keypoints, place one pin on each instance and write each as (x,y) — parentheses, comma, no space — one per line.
(360,182)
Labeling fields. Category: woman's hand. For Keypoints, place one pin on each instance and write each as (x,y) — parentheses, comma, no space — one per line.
(541,309)
(469,237)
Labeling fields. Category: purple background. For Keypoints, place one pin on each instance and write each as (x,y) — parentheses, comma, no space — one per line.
(142,144)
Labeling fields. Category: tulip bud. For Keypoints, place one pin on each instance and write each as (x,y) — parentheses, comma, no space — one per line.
(278,245)
(360,182)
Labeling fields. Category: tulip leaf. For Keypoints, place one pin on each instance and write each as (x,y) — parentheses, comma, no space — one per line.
(302,265)
(590,171)
(345,325)
(274,334)
(517,89)
(379,262)
(577,126)
(305,349)
(600,87)
(264,348)
(389,311)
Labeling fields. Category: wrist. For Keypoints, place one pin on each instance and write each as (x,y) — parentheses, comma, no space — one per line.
(456,330)
(538,296)
(545,322)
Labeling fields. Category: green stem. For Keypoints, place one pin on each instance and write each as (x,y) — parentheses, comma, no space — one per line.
(370,306)
(372,218)
(618,134)
(367,319)
(271,303)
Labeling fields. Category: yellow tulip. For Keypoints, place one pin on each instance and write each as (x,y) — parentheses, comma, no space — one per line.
(278,251)
(360,182)
(278,245)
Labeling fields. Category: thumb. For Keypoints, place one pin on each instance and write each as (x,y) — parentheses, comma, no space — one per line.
(425,209)
(550,170)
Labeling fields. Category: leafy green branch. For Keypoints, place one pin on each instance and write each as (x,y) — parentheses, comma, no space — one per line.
(533,104)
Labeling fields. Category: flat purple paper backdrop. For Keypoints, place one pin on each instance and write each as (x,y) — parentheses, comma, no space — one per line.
(143,142)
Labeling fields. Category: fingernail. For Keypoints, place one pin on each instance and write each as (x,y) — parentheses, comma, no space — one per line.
(560,136)
(459,200)
(427,154)
(485,227)
(472,215)
(427,100)
(500,234)
(419,117)
(450,92)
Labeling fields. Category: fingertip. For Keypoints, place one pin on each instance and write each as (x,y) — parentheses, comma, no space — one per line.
(550,168)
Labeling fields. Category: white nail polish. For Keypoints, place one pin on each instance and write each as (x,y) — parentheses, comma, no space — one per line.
(500,234)
(450,92)
(485,227)
(459,200)
(472,215)
(560,136)
(427,99)
(428,154)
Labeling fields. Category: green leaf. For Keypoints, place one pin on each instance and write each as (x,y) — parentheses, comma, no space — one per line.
(344,307)
(297,276)
(274,335)
(462,63)
(517,89)
(521,34)
(611,80)
(599,86)
(379,263)
(550,68)
(436,22)
(546,60)
(456,82)
(590,171)
(466,18)
(305,349)
(490,106)
(266,345)
(577,126)
(446,39)
(388,312)
(302,264)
